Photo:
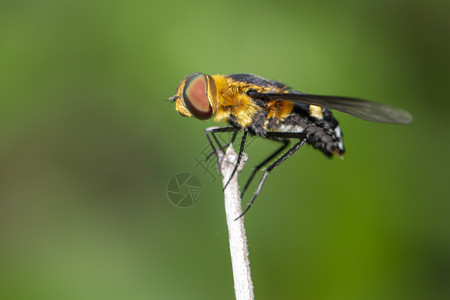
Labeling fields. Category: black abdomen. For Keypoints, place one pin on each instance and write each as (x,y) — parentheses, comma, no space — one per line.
(323,134)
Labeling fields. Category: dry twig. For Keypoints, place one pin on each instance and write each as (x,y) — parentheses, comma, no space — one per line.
(243,284)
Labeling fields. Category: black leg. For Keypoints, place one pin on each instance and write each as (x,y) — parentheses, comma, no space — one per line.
(233,138)
(214,130)
(241,150)
(258,167)
(285,156)
(226,145)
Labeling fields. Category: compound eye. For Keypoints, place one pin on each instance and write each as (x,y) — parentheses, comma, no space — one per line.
(195,96)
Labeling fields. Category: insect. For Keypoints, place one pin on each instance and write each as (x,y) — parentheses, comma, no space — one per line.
(271,110)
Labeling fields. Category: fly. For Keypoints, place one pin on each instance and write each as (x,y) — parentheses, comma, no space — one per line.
(271,110)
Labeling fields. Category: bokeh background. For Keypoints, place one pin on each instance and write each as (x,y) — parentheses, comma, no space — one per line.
(88,146)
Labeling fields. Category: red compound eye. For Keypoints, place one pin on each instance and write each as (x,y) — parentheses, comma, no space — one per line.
(195,96)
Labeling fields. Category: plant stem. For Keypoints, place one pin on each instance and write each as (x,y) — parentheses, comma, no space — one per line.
(243,285)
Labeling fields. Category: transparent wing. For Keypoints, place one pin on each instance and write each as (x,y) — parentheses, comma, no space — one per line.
(362,109)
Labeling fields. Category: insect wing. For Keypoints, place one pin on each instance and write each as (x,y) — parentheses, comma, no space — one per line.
(362,109)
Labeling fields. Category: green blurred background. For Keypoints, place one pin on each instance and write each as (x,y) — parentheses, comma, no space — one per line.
(88,146)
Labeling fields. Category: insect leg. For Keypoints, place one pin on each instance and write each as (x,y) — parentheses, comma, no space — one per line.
(258,167)
(233,138)
(241,150)
(226,145)
(286,155)
(214,130)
